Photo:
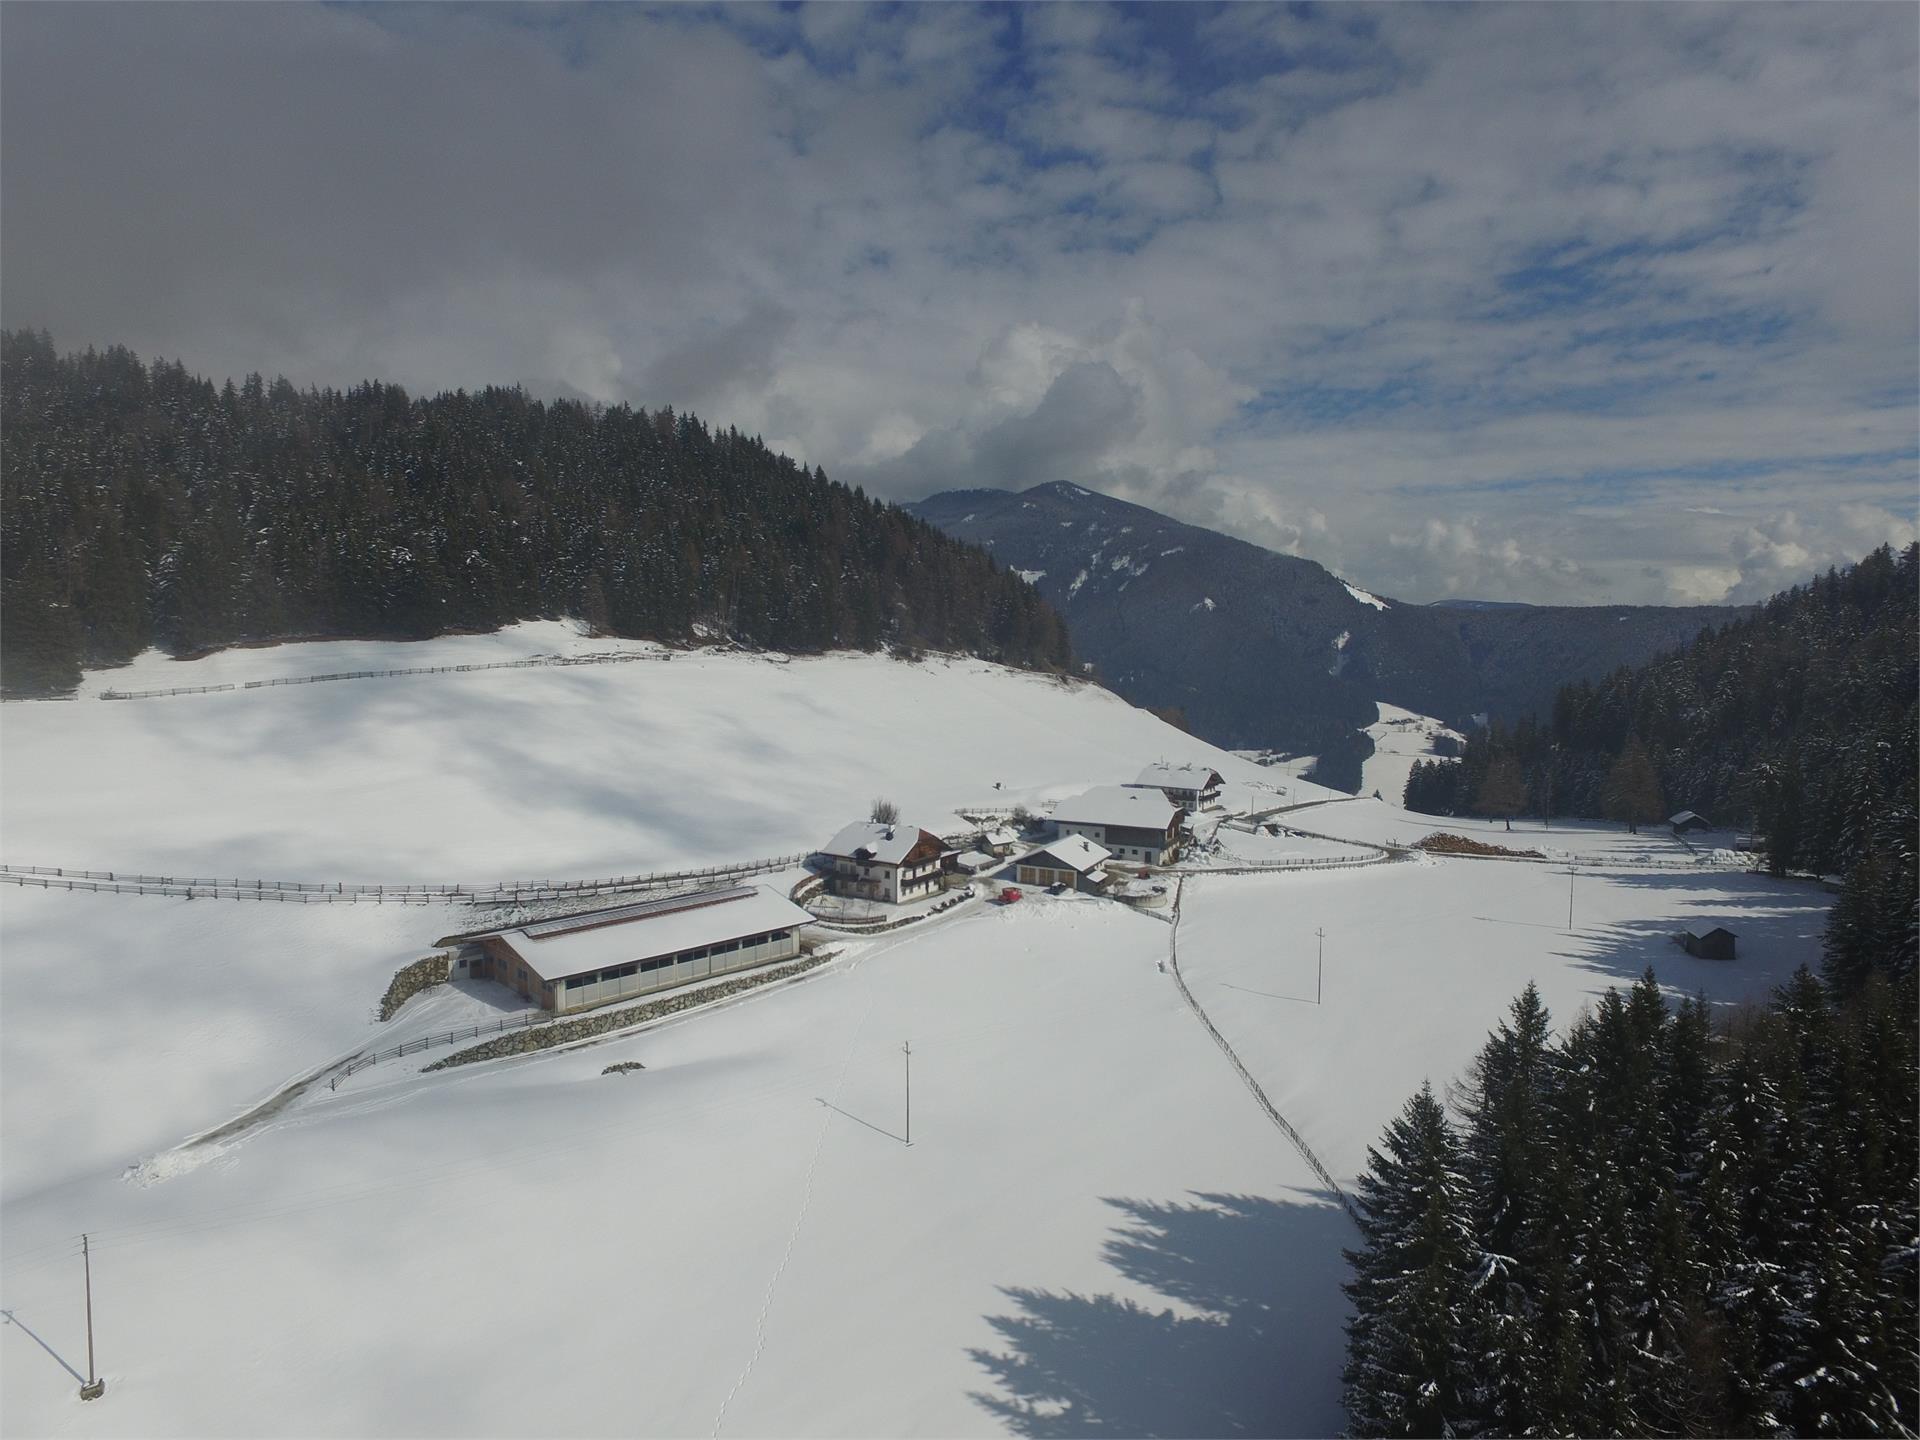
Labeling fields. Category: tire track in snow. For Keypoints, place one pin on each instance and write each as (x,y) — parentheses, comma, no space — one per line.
(1246,1076)
(806,1203)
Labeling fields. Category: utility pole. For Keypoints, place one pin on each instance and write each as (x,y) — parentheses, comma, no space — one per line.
(1319,962)
(1569,897)
(95,1386)
(906,1049)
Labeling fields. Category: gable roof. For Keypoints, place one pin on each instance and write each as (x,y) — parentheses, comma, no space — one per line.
(1687,816)
(883,843)
(1716,930)
(1133,807)
(1179,777)
(555,949)
(1076,853)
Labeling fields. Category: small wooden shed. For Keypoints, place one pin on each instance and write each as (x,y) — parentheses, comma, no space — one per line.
(1688,821)
(1714,944)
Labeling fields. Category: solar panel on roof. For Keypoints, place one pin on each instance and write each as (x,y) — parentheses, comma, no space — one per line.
(546,929)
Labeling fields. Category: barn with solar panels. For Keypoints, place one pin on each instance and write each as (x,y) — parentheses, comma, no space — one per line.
(607,955)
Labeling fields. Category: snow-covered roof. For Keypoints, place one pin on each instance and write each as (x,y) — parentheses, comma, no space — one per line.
(1003,835)
(1686,816)
(1179,777)
(556,949)
(1076,852)
(974,860)
(1128,805)
(887,844)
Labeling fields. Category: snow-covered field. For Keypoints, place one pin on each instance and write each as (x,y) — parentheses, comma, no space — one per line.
(1400,737)
(530,774)
(1095,1230)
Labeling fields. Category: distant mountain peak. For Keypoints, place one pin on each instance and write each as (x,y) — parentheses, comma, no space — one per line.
(1260,649)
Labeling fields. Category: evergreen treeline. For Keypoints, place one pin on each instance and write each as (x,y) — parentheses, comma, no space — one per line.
(1650,1227)
(142,505)
(1802,721)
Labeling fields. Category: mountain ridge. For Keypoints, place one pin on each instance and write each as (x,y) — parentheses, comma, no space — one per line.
(1260,649)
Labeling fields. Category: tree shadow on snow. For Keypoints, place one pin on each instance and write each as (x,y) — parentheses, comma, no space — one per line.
(1257,1352)
(1778,924)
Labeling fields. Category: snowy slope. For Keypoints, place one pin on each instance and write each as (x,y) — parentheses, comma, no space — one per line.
(522,774)
(1400,737)
(734,1241)
(211,1006)
(1096,1230)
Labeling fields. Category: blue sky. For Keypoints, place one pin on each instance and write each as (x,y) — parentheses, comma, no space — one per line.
(1562,303)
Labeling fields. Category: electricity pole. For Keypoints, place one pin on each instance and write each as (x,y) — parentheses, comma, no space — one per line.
(1569,897)
(95,1386)
(1319,962)
(906,1049)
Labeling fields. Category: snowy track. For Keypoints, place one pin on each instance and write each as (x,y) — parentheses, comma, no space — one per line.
(1246,1076)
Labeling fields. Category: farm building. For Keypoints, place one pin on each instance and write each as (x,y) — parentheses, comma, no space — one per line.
(972,862)
(1714,944)
(1688,821)
(998,839)
(881,860)
(606,955)
(1134,823)
(1076,861)
(1191,787)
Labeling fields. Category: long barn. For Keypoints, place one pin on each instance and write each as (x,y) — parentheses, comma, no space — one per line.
(593,959)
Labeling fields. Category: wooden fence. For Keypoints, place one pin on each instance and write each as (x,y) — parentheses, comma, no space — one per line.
(616,658)
(524,1020)
(301,892)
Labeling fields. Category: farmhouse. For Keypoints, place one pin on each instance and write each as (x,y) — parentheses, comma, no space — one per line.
(1132,822)
(1714,944)
(883,860)
(1076,861)
(1687,821)
(1191,787)
(606,955)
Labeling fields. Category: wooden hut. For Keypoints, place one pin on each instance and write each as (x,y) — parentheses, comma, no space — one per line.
(1714,944)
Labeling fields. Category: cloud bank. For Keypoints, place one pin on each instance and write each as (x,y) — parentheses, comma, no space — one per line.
(1563,303)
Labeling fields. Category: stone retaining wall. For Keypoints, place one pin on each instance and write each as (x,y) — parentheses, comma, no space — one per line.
(410,980)
(604,1022)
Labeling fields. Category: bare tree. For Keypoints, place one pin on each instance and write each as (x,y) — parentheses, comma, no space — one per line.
(1502,791)
(885,812)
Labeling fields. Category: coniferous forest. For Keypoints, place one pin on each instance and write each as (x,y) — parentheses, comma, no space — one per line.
(1654,1225)
(1801,723)
(146,506)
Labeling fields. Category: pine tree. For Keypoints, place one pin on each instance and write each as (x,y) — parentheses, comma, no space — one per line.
(1529,1362)
(1408,1370)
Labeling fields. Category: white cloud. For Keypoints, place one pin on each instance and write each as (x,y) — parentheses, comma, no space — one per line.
(1280,285)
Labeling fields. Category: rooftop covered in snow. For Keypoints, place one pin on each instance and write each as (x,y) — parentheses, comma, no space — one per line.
(555,949)
(1129,806)
(1189,776)
(879,841)
(1076,853)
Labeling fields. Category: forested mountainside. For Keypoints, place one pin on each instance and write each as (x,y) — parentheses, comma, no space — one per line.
(1654,1224)
(1801,721)
(1269,650)
(144,505)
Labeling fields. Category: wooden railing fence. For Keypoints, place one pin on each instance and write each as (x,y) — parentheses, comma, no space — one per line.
(302,892)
